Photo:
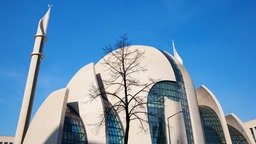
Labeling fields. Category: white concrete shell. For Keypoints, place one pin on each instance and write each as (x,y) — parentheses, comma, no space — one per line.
(192,103)
(79,89)
(250,127)
(236,123)
(90,111)
(159,69)
(176,129)
(206,98)
(47,124)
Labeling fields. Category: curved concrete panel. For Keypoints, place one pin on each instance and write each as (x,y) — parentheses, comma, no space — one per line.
(47,124)
(176,129)
(250,129)
(80,87)
(192,103)
(157,68)
(235,122)
(206,98)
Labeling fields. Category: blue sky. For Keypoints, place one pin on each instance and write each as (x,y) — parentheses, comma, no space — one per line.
(215,38)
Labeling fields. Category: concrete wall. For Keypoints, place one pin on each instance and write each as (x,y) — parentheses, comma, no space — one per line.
(90,111)
(47,124)
(235,122)
(206,98)
(175,128)
(157,68)
(6,139)
(250,127)
(193,106)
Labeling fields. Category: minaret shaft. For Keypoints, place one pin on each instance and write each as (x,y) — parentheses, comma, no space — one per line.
(30,88)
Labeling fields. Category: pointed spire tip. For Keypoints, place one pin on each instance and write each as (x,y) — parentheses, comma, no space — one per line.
(176,55)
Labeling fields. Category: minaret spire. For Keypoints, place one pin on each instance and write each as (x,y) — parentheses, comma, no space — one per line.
(28,98)
(176,55)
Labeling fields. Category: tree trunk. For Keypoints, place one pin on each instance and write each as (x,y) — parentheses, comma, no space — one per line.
(127,131)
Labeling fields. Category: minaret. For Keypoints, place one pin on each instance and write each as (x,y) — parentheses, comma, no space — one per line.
(176,55)
(28,98)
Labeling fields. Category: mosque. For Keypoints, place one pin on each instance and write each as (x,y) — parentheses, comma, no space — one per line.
(174,111)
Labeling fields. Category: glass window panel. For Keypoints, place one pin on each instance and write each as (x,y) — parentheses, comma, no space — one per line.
(174,91)
(212,126)
(74,130)
(236,136)
(115,132)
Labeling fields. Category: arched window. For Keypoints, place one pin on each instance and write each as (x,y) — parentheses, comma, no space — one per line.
(174,91)
(178,93)
(236,136)
(156,114)
(115,132)
(212,127)
(74,130)
(114,128)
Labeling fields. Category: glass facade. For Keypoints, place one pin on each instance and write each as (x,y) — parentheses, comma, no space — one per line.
(156,115)
(236,136)
(74,130)
(174,91)
(212,127)
(114,128)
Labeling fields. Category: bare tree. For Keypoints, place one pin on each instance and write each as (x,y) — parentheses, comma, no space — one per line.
(123,63)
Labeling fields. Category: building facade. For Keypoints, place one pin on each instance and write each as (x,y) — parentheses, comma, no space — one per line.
(175,112)
(6,139)
(250,128)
